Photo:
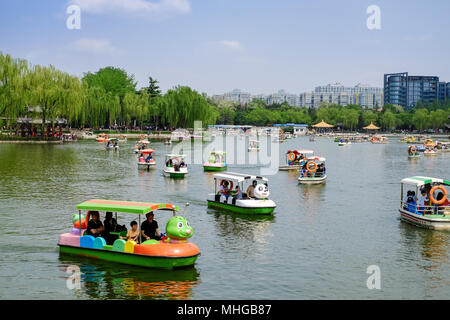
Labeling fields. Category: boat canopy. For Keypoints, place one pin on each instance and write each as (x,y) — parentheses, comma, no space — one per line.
(300,151)
(421,181)
(240,177)
(145,151)
(317,159)
(175,156)
(143,141)
(125,206)
(218,152)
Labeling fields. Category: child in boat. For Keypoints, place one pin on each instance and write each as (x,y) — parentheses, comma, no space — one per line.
(132,234)
(237,193)
(422,202)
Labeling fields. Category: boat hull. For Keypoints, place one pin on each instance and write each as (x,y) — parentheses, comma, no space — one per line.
(238,209)
(214,168)
(159,262)
(290,168)
(174,174)
(434,222)
(146,166)
(312,180)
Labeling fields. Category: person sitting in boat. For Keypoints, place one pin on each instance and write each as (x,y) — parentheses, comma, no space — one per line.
(440,208)
(182,164)
(109,225)
(149,228)
(303,171)
(94,226)
(251,190)
(411,201)
(237,193)
(141,158)
(149,157)
(320,170)
(132,234)
(422,202)
(169,163)
(224,189)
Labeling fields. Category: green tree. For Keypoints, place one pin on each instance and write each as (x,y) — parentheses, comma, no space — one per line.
(153,88)
(387,120)
(420,119)
(13,96)
(56,93)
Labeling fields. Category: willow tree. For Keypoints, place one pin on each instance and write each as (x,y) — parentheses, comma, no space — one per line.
(182,106)
(55,92)
(420,119)
(13,95)
(136,107)
(100,108)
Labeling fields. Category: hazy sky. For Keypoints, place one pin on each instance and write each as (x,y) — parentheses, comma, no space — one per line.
(215,46)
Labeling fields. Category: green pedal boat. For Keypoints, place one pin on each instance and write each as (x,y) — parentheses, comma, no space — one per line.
(172,251)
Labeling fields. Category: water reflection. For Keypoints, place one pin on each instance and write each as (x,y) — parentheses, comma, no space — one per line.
(433,244)
(312,195)
(100,280)
(247,235)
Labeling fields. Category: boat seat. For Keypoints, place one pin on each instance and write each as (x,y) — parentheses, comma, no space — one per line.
(87,242)
(119,245)
(99,243)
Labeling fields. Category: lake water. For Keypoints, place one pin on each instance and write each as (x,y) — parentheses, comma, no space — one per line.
(318,244)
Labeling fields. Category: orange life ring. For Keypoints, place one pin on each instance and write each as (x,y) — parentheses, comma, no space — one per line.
(291,156)
(309,169)
(230,187)
(413,150)
(432,194)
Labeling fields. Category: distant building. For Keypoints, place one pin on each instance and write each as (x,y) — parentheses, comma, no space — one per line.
(443,91)
(236,96)
(244,97)
(405,90)
(363,95)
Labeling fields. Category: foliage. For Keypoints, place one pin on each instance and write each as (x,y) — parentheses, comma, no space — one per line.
(109,97)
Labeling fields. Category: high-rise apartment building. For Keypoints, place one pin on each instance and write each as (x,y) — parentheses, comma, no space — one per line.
(406,91)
